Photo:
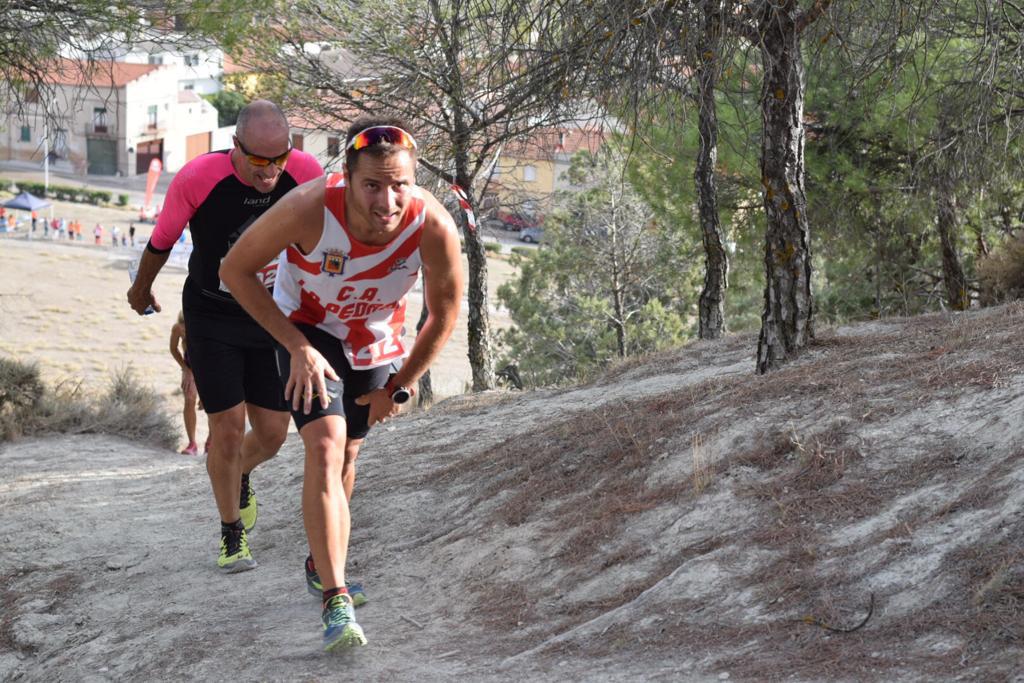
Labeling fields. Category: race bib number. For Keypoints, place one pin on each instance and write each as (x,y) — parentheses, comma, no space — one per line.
(267,275)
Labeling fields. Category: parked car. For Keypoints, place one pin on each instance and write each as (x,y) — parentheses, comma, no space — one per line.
(514,221)
(532,235)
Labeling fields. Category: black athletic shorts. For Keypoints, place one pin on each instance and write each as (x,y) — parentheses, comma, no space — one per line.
(343,393)
(232,360)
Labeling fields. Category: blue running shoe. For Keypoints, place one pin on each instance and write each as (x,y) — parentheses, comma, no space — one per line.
(316,589)
(340,627)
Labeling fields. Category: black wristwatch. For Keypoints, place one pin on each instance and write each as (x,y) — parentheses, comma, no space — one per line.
(398,394)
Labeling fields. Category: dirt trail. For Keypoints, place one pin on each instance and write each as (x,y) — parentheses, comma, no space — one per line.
(679,519)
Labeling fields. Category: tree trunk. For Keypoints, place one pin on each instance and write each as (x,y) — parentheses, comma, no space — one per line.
(618,295)
(949,231)
(716,261)
(481,361)
(786,324)
(426,386)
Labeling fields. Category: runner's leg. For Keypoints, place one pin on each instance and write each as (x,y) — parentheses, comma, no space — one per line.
(324,506)
(224,461)
(261,443)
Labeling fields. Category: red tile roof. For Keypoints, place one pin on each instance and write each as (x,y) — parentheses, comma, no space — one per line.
(546,142)
(100,74)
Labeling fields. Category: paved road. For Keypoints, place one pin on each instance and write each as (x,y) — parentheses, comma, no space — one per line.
(134,186)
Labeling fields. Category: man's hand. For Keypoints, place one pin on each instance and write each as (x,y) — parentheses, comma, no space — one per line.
(381,405)
(306,379)
(140,299)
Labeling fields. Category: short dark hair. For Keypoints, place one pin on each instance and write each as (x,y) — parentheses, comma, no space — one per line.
(381,150)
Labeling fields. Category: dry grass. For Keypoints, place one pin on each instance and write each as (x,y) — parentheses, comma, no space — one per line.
(127,409)
(584,485)
(701,470)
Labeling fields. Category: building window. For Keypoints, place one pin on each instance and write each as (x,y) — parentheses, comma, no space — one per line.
(156,59)
(99,119)
(530,173)
(333,146)
(561,138)
(26,134)
(190,86)
(191,60)
(151,116)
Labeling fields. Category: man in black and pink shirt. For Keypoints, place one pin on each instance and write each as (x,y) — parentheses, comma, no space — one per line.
(219,195)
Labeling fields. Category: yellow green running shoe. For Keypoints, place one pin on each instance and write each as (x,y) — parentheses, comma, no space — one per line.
(340,627)
(234,552)
(247,506)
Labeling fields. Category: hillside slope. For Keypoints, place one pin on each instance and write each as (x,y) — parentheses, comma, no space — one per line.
(856,515)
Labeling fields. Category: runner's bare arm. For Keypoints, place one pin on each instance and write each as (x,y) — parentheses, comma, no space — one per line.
(442,291)
(443,285)
(297,218)
(140,294)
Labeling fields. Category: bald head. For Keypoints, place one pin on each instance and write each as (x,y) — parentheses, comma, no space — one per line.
(261,118)
(261,136)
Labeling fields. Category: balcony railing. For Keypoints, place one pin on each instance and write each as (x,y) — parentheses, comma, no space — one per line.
(104,129)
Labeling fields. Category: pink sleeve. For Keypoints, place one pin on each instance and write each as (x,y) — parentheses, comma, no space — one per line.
(186,193)
(303,167)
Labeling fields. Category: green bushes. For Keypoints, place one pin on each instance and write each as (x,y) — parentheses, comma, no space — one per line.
(67,193)
(127,409)
(122,199)
(492,247)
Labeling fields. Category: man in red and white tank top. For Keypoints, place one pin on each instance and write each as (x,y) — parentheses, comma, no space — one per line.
(354,245)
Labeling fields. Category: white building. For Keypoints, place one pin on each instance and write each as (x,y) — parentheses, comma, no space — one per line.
(113,118)
(199,68)
(324,140)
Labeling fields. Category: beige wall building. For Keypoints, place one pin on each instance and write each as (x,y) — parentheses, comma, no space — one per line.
(112,118)
(529,172)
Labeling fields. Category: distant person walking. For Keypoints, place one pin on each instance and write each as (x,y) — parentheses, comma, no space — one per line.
(98,233)
(131,232)
(218,195)
(179,351)
(35,219)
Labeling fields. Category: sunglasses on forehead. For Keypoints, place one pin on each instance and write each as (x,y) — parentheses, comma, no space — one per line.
(257,160)
(375,135)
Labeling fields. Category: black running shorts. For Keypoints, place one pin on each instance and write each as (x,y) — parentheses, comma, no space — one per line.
(232,360)
(343,393)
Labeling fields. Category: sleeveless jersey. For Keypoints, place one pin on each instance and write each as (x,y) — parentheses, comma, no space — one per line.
(354,291)
(218,207)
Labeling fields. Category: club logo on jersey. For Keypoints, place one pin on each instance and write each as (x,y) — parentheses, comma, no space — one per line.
(334,263)
(399,264)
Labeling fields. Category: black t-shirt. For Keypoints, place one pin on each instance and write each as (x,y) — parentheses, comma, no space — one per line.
(218,207)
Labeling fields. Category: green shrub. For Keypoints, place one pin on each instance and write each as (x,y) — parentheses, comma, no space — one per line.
(492,247)
(127,409)
(122,199)
(522,251)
